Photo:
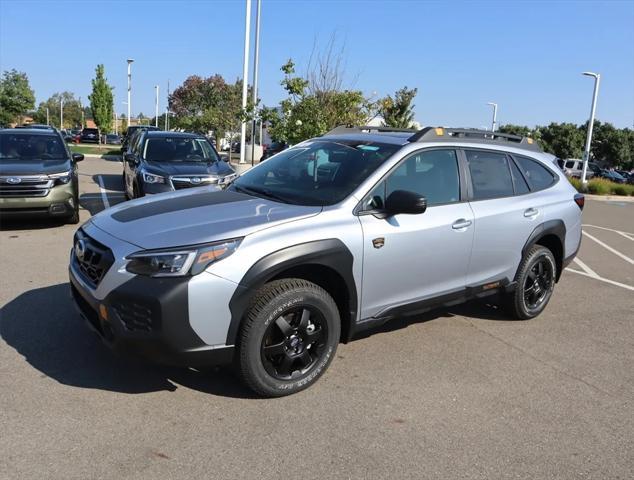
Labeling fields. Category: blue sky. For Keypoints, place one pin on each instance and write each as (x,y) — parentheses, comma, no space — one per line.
(526,56)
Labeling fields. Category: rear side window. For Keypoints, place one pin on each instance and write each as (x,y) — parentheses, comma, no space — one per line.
(490,175)
(570,164)
(537,176)
(520,184)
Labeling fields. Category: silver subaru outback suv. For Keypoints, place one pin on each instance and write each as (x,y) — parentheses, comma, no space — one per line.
(334,236)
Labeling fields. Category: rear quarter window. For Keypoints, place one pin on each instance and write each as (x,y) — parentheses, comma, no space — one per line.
(537,175)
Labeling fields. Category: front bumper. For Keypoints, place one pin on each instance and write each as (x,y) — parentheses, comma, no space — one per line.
(59,202)
(148,318)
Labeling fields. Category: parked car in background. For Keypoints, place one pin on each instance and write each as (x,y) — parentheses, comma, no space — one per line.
(113,139)
(629,176)
(273,148)
(90,135)
(164,161)
(129,134)
(38,126)
(38,175)
(336,235)
(612,175)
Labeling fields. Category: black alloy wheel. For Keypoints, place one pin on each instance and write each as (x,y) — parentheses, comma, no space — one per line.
(293,343)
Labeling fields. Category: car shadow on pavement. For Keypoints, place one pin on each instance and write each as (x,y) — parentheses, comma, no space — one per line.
(111,181)
(93,202)
(11,224)
(43,326)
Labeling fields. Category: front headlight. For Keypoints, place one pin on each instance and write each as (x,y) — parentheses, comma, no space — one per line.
(62,177)
(151,178)
(184,261)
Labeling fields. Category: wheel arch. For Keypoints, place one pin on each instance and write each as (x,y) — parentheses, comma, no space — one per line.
(552,235)
(327,263)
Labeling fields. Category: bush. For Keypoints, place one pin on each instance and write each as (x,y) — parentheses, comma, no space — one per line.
(600,186)
(620,190)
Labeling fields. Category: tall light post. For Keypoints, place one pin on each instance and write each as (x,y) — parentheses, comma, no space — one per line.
(586,151)
(245,75)
(156,105)
(47,118)
(255,77)
(61,113)
(129,86)
(126,103)
(495,116)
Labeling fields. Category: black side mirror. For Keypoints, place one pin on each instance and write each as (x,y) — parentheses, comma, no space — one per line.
(77,157)
(130,157)
(403,201)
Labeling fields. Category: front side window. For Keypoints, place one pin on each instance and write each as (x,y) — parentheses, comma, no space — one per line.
(178,149)
(490,174)
(31,147)
(537,176)
(315,172)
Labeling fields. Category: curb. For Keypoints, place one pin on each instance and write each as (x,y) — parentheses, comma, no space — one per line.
(610,198)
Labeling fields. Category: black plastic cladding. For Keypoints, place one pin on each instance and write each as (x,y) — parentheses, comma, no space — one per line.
(331,253)
(551,227)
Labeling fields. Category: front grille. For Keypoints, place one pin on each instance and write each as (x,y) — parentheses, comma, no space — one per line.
(186,182)
(91,258)
(29,186)
(134,316)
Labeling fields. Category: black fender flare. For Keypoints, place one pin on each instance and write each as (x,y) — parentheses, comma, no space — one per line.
(331,253)
(550,227)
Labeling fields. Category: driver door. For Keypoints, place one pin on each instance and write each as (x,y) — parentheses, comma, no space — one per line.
(412,258)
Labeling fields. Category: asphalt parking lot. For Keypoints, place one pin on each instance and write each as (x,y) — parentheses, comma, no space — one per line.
(456,393)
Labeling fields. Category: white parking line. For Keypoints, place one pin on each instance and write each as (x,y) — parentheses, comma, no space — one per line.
(628,235)
(601,279)
(102,189)
(586,268)
(609,248)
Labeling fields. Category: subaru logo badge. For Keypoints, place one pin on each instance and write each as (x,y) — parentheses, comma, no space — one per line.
(80,249)
(14,180)
(196,180)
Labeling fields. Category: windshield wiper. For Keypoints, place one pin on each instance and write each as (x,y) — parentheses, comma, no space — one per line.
(261,192)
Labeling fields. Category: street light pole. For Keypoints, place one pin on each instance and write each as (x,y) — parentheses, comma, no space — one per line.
(255,78)
(586,151)
(129,87)
(47,119)
(156,103)
(495,116)
(61,113)
(245,75)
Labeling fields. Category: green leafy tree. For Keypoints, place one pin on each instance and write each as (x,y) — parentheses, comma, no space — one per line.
(71,108)
(309,112)
(398,111)
(16,97)
(101,100)
(520,130)
(565,140)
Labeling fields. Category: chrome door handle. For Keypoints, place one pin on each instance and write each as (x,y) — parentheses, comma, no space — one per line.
(462,223)
(530,212)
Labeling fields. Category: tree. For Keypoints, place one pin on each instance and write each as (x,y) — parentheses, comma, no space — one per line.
(309,111)
(16,97)
(520,130)
(207,104)
(71,107)
(398,112)
(564,140)
(101,100)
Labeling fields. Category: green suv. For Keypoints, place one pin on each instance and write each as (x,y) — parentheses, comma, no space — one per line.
(38,175)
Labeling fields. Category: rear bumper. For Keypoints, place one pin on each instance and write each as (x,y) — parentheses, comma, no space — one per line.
(147,318)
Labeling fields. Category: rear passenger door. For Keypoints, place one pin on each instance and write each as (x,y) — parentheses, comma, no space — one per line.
(505,214)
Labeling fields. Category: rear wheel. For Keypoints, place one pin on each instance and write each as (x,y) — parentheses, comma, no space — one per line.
(289,338)
(535,283)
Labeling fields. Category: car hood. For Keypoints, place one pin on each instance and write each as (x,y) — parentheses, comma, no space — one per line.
(195,216)
(189,168)
(17,167)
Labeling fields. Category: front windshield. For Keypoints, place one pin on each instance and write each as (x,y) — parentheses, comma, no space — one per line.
(31,147)
(178,149)
(315,172)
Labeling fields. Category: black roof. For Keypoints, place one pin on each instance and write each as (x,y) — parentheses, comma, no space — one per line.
(30,131)
(164,134)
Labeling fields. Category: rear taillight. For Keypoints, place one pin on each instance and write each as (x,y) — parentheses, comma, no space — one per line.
(580,200)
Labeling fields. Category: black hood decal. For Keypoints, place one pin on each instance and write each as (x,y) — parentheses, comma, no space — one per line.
(168,205)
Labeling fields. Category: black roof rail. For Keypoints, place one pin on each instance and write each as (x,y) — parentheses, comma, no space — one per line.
(472,135)
(342,129)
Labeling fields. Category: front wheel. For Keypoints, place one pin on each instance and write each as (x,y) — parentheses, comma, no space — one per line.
(535,283)
(289,337)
